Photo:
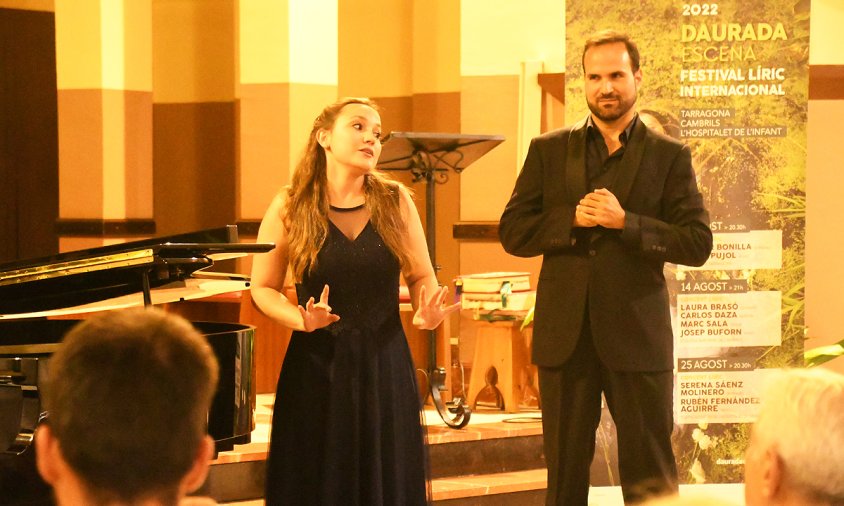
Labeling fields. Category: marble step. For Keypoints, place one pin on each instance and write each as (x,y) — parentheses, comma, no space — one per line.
(525,488)
(496,459)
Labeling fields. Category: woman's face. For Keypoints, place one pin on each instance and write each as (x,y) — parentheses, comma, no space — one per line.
(355,139)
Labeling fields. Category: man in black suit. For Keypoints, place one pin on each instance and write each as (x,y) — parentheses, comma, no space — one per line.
(606,202)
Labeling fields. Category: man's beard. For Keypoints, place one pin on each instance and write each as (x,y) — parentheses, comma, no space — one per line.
(620,109)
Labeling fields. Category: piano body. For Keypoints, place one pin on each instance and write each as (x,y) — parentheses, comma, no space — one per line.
(41,299)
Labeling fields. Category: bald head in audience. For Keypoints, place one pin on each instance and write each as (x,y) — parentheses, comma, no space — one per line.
(796,450)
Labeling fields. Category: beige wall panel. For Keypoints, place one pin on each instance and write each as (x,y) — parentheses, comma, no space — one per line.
(114,154)
(264,41)
(489,105)
(127,154)
(396,113)
(29,5)
(80,153)
(193,50)
(306,102)
(79,243)
(78,44)
(497,36)
(824,232)
(436,112)
(264,146)
(375,48)
(194,166)
(825,42)
(113,32)
(314,41)
(824,227)
(436,46)
(138,153)
(136,60)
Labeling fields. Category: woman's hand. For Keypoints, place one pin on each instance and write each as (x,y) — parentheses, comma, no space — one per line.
(319,315)
(430,311)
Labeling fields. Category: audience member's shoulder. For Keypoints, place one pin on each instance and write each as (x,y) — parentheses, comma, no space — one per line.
(690,500)
(198,501)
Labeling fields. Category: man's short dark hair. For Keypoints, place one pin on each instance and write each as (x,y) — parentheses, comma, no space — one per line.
(609,37)
(128,395)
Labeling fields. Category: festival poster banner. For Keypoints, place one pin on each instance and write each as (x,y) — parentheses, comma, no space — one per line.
(730,79)
(719,319)
(752,250)
(717,393)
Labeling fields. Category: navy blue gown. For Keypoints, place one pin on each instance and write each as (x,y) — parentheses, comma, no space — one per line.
(346,424)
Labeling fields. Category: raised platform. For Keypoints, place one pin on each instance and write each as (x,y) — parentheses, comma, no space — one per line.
(503,453)
(495,461)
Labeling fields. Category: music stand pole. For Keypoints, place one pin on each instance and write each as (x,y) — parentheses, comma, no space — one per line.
(426,155)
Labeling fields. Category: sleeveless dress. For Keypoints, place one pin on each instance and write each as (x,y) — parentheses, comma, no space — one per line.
(346,426)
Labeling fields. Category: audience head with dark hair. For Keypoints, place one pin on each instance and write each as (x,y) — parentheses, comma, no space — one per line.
(128,395)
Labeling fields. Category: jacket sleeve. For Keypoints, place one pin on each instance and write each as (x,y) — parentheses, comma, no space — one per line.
(532,223)
(681,233)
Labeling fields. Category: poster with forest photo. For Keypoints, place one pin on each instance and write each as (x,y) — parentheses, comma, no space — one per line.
(730,79)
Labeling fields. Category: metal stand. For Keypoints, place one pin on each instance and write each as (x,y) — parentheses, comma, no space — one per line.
(429,157)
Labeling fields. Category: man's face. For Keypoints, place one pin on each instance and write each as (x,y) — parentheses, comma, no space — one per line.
(611,85)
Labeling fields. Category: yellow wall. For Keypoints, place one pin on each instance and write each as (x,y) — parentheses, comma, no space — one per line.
(436,48)
(375,48)
(498,39)
(263,42)
(313,42)
(826,38)
(824,228)
(123,63)
(193,51)
(30,5)
(79,54)
(498,34)
(485,52)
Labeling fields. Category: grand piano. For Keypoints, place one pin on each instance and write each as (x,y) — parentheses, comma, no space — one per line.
(41,299)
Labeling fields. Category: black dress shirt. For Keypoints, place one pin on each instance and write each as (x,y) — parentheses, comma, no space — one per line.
(598,158)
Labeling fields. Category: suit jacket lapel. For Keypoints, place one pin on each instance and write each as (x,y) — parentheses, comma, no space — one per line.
(630,162)
(576,163)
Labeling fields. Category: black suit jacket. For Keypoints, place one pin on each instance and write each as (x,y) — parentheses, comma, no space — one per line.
(619,273)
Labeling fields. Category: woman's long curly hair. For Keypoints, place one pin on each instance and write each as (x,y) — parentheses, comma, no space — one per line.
(305,215)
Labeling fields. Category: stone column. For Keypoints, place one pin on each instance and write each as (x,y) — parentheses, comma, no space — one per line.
(104,80)
(286,74)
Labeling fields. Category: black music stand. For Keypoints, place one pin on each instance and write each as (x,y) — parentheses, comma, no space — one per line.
(430,157)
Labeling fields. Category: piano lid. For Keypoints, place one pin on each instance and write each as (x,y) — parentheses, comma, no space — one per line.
(149,271)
